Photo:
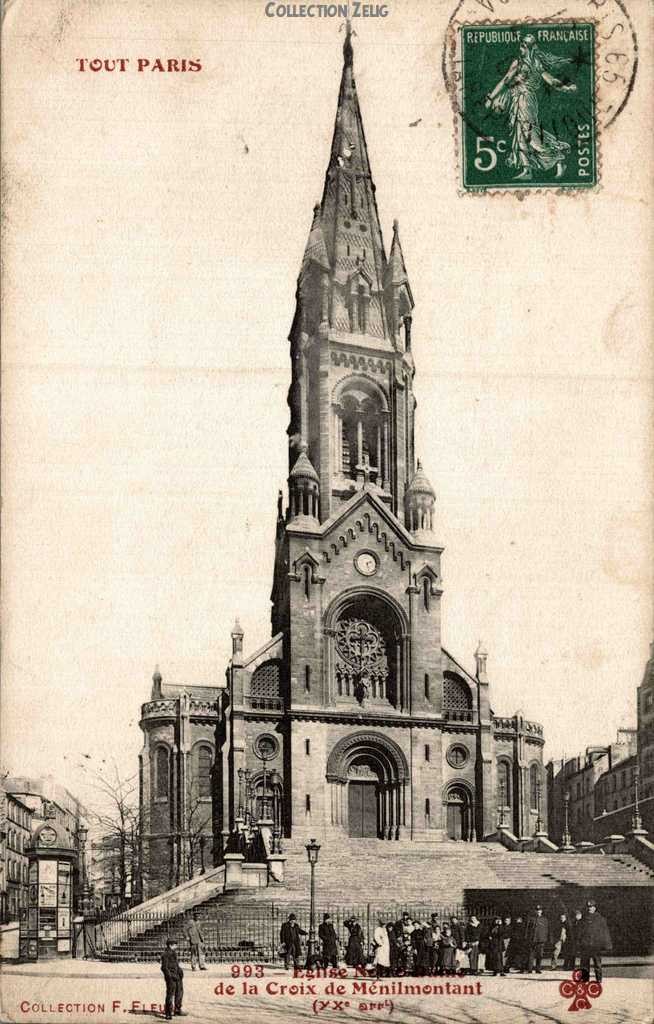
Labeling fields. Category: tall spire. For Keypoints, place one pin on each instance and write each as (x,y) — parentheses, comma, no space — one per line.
(348,215)
(348,52)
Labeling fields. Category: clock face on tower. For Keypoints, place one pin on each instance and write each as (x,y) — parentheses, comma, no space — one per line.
(366,563)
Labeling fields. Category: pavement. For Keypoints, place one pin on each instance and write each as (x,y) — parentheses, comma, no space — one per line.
(79,991)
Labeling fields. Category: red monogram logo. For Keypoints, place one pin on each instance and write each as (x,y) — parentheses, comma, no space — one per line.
(581,992)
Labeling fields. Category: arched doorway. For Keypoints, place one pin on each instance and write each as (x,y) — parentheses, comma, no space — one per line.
(367,773)
(364,791)
(458,813)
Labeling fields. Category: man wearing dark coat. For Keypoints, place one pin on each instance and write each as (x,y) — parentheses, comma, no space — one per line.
(569,951)
(516,954)
(329,941)
(538,934)
(593,940)
(173,974)
(289,936)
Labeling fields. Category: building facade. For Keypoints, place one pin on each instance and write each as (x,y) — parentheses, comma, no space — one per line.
(645,712)
(50,801)
(353,717)
(176,771)
(610,790)
(16,833)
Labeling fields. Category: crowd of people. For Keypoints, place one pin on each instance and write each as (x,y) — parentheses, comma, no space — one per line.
(433,946)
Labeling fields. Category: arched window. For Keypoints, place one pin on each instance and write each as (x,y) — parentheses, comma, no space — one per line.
(265,686)
(457,698)
(503,784)
(534,777)
(161,773)
(204,758)
(360,430)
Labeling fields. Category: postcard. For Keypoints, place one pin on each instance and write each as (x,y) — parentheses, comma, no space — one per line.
(328,677)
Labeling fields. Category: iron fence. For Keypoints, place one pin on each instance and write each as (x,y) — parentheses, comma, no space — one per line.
(252,934)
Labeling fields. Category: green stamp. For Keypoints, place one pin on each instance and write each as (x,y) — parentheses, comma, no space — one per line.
(527,102)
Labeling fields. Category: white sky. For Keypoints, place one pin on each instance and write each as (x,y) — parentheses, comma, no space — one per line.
(149,289)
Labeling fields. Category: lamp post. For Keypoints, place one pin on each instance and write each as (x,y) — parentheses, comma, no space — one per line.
(501,822)
(82,835)
(240,811)
(313,849)
(539,820)
(275,780)
(636,821)
(567,838)
(203,840)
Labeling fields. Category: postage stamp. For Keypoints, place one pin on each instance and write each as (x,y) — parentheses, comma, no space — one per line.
(527,105)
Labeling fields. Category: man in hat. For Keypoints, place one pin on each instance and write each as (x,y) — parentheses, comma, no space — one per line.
(196,942)
(289,936)
(593,940)
(173,975)
(538,933)
(571,947)
(329,941)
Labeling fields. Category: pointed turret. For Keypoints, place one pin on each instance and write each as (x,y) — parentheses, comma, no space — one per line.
(303,488)
(419,504)
(397,291)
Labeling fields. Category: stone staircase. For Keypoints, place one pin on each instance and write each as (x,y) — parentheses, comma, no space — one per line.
(363,875)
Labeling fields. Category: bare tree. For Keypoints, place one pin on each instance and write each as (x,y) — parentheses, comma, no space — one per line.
(118,830)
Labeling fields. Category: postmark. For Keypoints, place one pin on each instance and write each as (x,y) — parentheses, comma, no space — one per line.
(616,44)
(527,101)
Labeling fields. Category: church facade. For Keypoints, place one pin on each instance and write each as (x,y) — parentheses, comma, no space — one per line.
(353,719)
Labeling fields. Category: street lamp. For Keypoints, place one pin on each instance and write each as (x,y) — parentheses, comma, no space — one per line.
(567,838)
(501,822)
(539,820)
(239,813)
(313,849)
(636,821)
(82,835)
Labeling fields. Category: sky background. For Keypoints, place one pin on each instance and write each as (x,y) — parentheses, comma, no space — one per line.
(155,228)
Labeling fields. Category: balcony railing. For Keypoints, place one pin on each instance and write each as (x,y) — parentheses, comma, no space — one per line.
(458,715)
(263,703)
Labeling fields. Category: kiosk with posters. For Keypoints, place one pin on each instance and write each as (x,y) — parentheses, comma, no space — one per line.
(47,930)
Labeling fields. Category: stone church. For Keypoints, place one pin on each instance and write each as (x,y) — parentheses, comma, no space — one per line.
(352,720)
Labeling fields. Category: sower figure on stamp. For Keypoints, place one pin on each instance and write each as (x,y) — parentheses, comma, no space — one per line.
(173,974)
(531,146)
(289,936)
(329,942)
(196,942)
(594,939)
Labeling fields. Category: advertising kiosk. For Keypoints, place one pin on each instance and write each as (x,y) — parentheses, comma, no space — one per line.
(48,928)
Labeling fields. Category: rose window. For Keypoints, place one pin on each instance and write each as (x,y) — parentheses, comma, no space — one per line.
(362,664)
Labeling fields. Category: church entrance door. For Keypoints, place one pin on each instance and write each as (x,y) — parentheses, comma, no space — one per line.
(458,814)
(362,810)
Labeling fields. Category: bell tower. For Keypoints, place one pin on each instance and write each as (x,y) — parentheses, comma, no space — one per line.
(351,395)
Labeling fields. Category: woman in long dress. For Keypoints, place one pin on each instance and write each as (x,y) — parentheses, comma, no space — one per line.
(354,955)
(531,145)
(382,949)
